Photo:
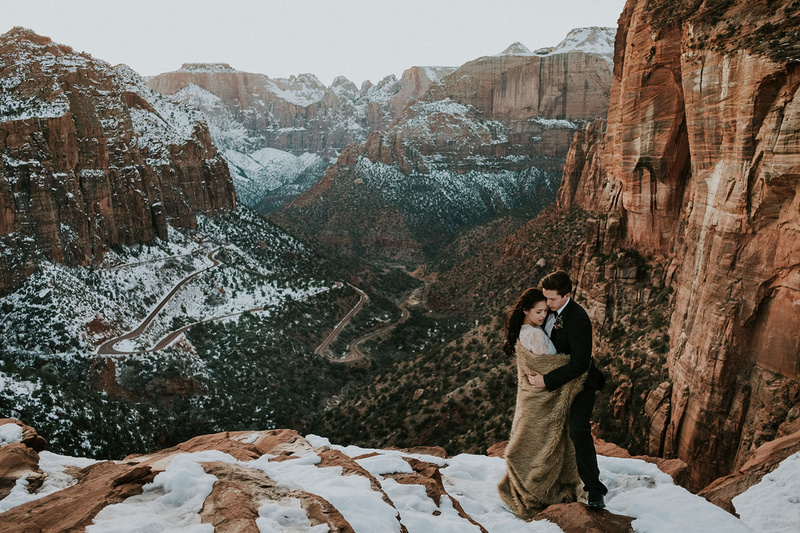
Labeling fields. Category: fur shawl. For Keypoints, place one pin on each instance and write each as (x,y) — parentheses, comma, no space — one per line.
(540,457)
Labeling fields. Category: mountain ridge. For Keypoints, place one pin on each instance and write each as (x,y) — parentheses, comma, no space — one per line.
(300,115)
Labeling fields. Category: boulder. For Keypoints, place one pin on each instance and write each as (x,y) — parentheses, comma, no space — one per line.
(577,518)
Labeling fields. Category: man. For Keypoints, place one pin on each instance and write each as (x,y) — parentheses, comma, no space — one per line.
(570,329)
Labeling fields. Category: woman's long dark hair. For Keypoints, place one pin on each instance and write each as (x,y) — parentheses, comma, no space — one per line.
(516,317)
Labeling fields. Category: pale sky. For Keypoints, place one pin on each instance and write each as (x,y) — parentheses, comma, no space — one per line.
(359,39)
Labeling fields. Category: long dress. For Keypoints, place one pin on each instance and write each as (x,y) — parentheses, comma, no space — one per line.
(540,456)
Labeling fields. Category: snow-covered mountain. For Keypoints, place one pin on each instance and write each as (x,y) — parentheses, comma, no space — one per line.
(298,123)
(591,40)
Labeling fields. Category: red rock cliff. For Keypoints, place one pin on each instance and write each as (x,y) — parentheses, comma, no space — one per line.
(91,158)
(571,85)
(700,167)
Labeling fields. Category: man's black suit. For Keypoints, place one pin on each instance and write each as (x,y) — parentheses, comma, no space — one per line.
(572,334)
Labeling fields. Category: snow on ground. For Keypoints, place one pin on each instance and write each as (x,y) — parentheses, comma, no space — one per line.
(774,503)
(259,173)
(171,503)
(10,387)
(302,90)
(173,500)
(53,466)
(353,496)
(472,480)
(286,516)
(639,489)
(10,433)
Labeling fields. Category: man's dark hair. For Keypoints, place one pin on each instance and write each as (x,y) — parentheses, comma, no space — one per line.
(557,281)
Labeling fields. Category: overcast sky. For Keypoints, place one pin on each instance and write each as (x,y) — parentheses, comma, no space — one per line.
(359,39)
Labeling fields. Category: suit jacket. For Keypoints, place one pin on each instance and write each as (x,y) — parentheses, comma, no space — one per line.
(574,337)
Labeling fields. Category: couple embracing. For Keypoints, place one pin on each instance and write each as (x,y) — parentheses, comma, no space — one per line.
(550,455)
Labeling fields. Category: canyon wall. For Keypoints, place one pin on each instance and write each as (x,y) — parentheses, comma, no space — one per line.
(91,157)
(699,169)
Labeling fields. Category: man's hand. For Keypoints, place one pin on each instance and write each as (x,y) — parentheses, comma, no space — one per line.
(536,380)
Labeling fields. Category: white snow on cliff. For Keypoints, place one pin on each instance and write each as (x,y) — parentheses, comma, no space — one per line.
(173,500)
(593,40)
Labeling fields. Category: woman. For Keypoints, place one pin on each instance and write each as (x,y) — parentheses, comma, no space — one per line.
(541,459)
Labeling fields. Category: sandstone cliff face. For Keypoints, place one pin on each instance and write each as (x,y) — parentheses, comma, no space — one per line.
(563,82)
(92,158)
(699,167)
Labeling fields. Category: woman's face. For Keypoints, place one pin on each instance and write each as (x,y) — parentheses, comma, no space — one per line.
(535,315)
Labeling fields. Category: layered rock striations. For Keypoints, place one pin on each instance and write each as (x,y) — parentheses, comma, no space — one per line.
(699,169)
(490,136)
(91,157)
(570,81)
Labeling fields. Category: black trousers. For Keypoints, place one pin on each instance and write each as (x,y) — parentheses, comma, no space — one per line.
(581,434)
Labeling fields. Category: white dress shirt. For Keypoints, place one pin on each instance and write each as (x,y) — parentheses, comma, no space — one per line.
(551,319)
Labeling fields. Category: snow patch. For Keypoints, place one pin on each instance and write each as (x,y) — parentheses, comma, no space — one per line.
(592,40)
(774,503)
(9,433)
(172,502)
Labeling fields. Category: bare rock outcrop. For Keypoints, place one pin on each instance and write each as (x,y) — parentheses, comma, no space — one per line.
(75,507)
(18,460)
(577,518)
(30,437)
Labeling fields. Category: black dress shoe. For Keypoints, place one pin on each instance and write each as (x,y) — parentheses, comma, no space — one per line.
(596,501)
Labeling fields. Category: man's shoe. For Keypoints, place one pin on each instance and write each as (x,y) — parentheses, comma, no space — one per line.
(596,501)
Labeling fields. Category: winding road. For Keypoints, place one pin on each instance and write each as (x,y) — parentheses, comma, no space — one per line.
(354,352)
(107,347)
(322,348)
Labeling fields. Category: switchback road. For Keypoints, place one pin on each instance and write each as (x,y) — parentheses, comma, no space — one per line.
(107,348)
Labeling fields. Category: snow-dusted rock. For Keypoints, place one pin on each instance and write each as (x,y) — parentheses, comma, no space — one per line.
(278,480)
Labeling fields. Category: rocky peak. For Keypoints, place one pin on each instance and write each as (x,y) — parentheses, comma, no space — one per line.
(22,33)
(342,86)
(388,85)
(516,49)
(591,40)
(415,83)
(206,67)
